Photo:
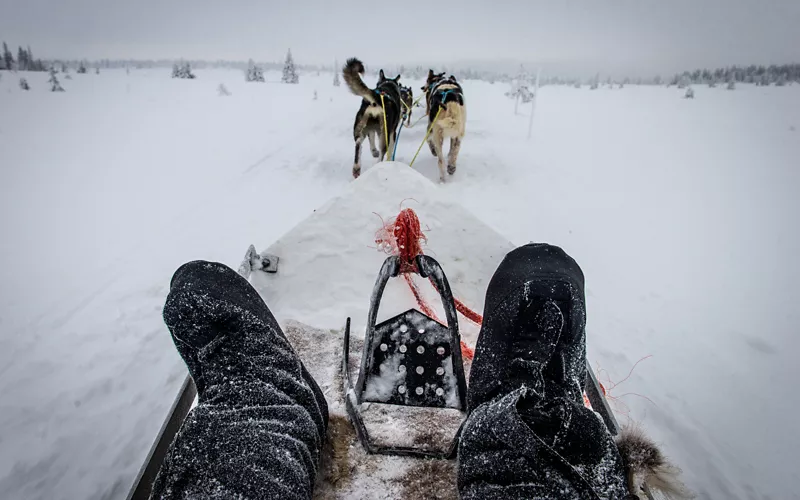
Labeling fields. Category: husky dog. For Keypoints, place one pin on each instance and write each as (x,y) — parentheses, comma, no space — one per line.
(446,117)
(374,109)
(407,96)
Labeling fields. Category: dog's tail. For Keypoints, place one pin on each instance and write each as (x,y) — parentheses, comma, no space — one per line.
(646,465)
(454,117)
(352,77)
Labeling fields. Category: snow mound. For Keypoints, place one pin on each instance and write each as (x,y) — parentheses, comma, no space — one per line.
(329,262)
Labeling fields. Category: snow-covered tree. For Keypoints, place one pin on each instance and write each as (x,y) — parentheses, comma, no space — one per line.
(222,90)
(254,73)
(781,80)
(712,84)
(520,86)
(8,57)
(689,93)
(595,83)
(97,71)
(82,68)
(23,84)
(55,85)
(182,70)
(22,59)
(289,71)
(336,81)
(731,85)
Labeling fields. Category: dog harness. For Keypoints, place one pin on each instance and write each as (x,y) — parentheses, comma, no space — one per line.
(444,94)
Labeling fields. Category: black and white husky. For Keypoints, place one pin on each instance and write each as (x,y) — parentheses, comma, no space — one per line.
(447,116)
(382,102)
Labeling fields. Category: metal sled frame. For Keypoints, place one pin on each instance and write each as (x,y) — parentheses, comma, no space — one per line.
(354,394)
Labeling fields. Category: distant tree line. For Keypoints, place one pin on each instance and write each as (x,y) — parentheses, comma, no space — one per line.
(23,62)
(759,75)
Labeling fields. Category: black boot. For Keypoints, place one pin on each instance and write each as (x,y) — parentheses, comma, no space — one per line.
(528,434)
(258,429)
(533,327)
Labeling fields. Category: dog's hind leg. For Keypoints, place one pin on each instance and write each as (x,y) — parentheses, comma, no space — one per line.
(357,160)
(432,147)
(382,145)
(372,147)
(438,144)
(452,155)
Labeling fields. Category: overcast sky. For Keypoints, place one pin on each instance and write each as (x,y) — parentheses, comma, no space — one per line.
(630,36)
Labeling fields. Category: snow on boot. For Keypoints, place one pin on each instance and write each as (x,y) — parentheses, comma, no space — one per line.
(534,283)
(259,426)
(528,434)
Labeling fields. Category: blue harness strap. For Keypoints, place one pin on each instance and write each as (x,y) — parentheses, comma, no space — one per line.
(397,140)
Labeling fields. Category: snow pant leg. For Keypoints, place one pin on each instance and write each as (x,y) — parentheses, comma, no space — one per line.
(564,453)
(258,429)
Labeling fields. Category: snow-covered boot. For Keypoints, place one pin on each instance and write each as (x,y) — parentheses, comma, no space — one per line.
(528,434)
(533,328)
(261,419)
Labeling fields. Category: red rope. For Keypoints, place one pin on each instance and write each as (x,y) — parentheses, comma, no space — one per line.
(403,236)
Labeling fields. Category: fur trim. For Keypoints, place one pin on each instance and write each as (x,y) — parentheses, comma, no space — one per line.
(352,72)
(646,465)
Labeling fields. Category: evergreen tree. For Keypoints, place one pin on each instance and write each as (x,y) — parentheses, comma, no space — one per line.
(254,72)
(731,85)
(22,59)
(55,85)
(8,57)
(82,68)
(182,70)
(289,71)
(23,84)
(689,93)
(97,71)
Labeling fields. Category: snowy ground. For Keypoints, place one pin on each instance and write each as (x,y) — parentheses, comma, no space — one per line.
(683,214)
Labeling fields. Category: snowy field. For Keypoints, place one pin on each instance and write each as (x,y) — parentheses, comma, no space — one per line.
(682,213)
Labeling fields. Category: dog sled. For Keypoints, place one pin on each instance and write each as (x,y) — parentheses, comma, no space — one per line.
(388,343)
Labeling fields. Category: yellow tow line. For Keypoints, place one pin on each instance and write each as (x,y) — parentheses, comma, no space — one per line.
(426,137)
(385,126)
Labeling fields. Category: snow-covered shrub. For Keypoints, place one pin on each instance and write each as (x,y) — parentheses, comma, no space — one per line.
(254,72)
